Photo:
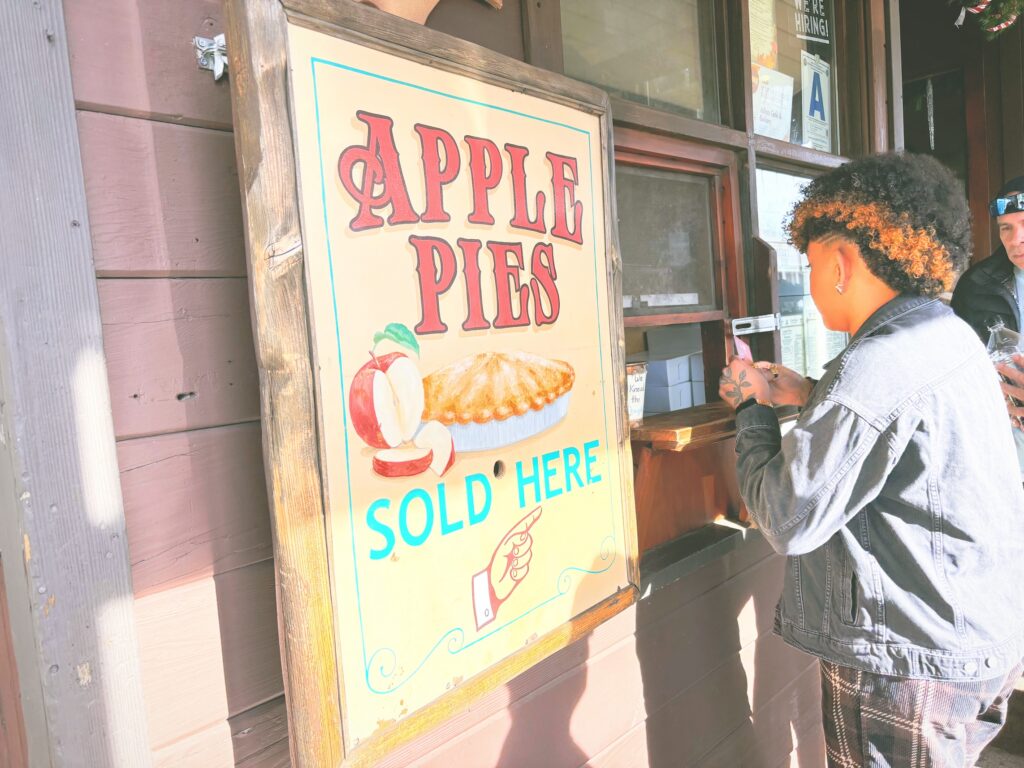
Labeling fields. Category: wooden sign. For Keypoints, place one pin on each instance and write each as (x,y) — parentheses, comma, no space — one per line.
(465,460)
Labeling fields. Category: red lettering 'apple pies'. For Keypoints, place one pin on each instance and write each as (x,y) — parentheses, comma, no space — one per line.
(493,399)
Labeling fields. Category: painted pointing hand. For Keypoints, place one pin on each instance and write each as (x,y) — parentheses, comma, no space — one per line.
(509,565)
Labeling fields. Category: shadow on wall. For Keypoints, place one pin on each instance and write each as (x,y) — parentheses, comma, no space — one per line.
(692,676)
(541,731)
(720,689)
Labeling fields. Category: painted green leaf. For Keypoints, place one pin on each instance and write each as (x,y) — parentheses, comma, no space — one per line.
(399,334)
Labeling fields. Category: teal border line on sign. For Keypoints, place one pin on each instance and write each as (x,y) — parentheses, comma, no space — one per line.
(385,658)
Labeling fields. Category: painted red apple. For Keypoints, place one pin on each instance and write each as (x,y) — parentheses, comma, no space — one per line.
(386,400)
(402,462)
(435,436)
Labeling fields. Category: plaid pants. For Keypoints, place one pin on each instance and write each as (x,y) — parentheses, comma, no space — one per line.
(876,721)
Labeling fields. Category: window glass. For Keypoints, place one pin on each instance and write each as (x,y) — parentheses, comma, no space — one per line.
(935,119)
(792,54)
(660,53)
(665,233)
(806,344)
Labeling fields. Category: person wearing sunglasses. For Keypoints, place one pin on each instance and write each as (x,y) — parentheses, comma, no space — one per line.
(992,292)
(894,493)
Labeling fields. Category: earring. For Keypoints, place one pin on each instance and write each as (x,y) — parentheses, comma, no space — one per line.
(839,288)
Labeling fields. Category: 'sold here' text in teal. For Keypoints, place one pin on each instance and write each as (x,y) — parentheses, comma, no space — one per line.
(421,511)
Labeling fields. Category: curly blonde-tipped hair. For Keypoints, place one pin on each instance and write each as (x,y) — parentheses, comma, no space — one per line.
(907,214)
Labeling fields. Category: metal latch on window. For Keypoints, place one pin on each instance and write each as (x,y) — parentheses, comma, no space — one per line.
(212,54)
(741,326)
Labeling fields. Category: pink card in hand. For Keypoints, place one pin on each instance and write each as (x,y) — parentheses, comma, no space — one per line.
(742,349)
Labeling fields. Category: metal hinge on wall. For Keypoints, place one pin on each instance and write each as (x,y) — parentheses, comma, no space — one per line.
(741,326)
(212,54)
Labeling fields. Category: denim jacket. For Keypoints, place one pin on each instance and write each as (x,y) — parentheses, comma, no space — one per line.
(897,497)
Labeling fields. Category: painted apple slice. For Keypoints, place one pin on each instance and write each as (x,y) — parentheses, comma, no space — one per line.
(435,436)
(402,462)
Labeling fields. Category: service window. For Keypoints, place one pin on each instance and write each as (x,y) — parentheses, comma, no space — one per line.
(667,237)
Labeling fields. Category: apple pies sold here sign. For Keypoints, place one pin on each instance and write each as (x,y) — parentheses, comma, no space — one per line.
(454,233)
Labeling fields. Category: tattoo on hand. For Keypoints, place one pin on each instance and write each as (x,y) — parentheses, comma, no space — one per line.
(737,385)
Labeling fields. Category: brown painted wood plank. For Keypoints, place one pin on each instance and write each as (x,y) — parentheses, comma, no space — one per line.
(628,751)
(252,737)
(208,651)
(275,756)
(786,726)
(135,57)
(708,632)
(163,199)
(718,709)
(254,734)
(672,597)
(501,31)
(13,749)
(810,750)
(542,34)
(195,504)
(205,749)
(179,354)
(259,728)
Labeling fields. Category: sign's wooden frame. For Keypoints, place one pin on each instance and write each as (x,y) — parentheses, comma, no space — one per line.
(257,46)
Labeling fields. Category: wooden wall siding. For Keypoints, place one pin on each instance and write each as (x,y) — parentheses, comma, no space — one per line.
(209,652)
(163,199)
(257,737)
(275,756)
(166,229)
(180,354)
(13,749)
(690,676)
(135,57)
(195,504)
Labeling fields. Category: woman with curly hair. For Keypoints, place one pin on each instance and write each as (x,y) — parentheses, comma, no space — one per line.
(895,494)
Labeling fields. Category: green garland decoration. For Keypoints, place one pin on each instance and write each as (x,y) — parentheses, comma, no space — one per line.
(993,16)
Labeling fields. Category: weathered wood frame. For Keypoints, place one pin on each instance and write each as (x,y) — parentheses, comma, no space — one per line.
(256,35)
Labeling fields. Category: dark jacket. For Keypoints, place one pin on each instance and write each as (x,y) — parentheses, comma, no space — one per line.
(985,295)
(896,496)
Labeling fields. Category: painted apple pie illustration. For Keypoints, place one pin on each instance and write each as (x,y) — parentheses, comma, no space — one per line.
(493,399)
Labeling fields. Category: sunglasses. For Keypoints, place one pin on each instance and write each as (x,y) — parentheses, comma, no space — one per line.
(1008,204)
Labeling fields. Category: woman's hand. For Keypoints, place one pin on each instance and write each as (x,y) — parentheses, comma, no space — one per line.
(786,386)
(741,381)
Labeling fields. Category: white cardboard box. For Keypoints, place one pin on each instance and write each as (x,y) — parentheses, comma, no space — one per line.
(658,399)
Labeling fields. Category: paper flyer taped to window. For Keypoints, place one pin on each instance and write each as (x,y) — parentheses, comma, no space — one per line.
(773,102)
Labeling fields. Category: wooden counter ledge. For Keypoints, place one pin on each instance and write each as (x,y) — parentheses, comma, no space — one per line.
(692,427)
